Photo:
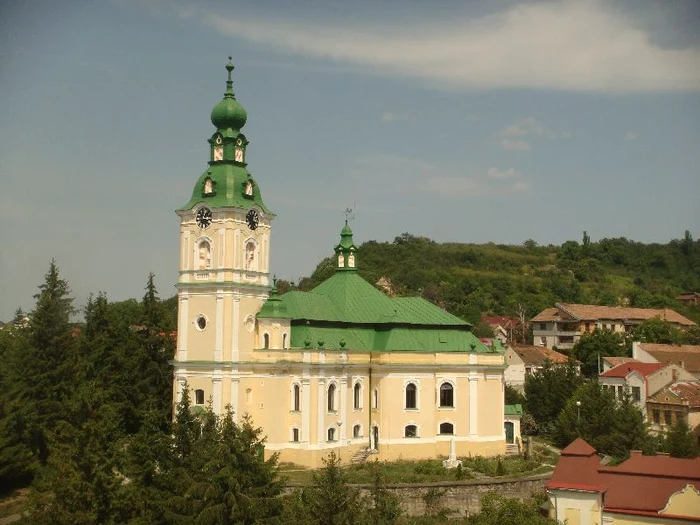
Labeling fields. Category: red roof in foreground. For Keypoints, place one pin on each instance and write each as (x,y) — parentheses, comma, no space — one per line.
(625,369)
(640,485)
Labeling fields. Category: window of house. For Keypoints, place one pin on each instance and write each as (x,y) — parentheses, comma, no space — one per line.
(619,392)
(356,431)
(199,397)
(297,398)
(657,416)
(266,340)
(543,341)
(446,396)
(410,431)
(447,428)
(667,417)
(375,398)
(357,396)
(295,435)
(543,326)
(636,393)
(331,397)
(411,396)
(331,434)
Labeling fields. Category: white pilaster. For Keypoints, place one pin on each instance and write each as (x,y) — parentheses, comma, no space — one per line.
(473,405)
(343,408)
(219,341)
(182,329)
(217,391)
(305,407)
(321,437)
(236,329)
(234,397)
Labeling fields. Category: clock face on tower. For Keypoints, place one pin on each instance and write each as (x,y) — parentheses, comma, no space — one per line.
(252,218)
(203,218)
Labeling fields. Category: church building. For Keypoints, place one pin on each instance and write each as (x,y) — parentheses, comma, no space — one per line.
(342,367)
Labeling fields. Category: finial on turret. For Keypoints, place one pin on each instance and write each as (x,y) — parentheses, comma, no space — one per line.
(229,83)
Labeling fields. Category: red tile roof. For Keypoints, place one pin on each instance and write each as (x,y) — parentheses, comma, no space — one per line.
(688,355)
(625,369)
(500,320)
(588,312)
(640,485)
(688,391)
(537,355)
(614,360)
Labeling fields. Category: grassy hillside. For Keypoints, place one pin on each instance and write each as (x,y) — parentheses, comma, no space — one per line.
(469,279)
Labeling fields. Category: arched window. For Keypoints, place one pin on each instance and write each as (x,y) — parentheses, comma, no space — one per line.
(266,340)
(357,396)
(447,428)
(341,261)
(351,260)
(331,434)
(410,431)
(411,396)
(331,397)
(284,340)
(250,256)
(208,188)
(446,395)
(297,397)
(199,397)
(204,262)
(357,431)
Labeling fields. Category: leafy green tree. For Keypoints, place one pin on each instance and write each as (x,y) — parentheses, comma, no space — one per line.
(592,347)
(513,396)
(611,426)
(547,392)
(497,509)
(657,330)
(385,506)
(680,442)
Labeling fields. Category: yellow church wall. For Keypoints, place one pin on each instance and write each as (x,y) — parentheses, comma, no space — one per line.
(490,415)
(628,519)
(684,503)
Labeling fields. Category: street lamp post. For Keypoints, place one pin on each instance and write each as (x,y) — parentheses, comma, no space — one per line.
(578,417)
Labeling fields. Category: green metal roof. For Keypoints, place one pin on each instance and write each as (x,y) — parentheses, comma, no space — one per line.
(513,410)
(229,182)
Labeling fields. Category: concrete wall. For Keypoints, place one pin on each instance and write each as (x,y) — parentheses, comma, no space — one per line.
(462,498)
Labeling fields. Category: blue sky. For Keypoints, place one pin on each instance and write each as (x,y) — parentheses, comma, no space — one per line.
(467,122)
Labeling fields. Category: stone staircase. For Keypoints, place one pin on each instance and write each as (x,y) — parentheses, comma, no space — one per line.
(361,455)
(512,449)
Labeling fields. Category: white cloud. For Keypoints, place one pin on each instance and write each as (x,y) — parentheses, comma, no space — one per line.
(630,135)
(569,45)
(512,137)
(515,144)
(510,173)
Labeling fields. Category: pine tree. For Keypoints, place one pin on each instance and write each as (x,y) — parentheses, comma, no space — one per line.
(680,442)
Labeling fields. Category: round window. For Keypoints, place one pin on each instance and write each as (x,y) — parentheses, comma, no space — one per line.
(201,322)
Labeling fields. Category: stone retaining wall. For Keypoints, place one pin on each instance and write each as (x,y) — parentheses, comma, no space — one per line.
(460,498)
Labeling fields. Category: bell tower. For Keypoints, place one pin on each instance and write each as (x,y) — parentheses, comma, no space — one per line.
(224,270)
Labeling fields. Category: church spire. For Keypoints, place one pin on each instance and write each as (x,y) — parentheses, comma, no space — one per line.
(229,114)
(346,251)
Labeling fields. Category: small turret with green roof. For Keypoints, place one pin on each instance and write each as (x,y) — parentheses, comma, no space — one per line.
(227,181)
(346,251)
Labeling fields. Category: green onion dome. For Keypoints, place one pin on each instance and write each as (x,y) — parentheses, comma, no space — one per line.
(229,113)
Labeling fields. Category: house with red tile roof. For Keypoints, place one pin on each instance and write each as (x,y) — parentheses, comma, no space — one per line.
(679,400)
(613,361)
(524,360)
(689,298)
(685,356)
(564,324)
(641,380)
(641,490)
(502,326)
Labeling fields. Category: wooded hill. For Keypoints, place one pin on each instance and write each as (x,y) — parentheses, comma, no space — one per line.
(470,279)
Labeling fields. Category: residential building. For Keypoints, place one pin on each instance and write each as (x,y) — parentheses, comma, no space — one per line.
(564,324)
(689,298)
(640,380)
(679,400)
(639,491)
(523,360)
(502,326)
(343,367)
(613,361)
(685,356)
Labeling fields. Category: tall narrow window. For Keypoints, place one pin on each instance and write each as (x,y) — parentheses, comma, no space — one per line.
(284,340)
(199,397)
(250,256)
(411,396)
(331,434)
(356,431)
(204,256)
(295,435)
(375,398)
(331,397)
(297,396)
(357,396)
(446,396)
(266,340)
